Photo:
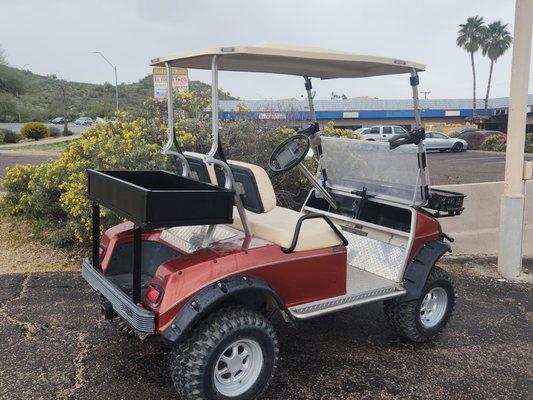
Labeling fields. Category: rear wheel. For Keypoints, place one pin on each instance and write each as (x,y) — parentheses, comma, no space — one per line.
(457,147)
(423,319)
(232,354)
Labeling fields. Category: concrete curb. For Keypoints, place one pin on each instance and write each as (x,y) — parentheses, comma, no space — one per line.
(494,152)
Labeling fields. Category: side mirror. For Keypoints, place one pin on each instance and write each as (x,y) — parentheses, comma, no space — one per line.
(310,154)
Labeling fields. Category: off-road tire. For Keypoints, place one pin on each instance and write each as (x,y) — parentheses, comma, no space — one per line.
(193,359)
(457,147)
(404,318)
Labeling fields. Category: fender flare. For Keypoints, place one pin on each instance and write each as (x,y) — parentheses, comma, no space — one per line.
(417,271)
(211,295)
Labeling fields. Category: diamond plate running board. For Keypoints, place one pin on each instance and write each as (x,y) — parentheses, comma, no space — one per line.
(326,306)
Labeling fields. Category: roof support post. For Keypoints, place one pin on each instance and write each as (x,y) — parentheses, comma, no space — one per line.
(310,96)
(185,168)
(210,157)
(423,175)
(513,199)
(214,106)
(416,103)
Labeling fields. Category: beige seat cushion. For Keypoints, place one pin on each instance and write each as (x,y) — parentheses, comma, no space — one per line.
(278,226)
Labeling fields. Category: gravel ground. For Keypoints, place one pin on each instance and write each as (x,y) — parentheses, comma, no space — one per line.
(55,346)
(21,250)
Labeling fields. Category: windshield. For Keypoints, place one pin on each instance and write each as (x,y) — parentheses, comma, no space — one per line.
(356,164)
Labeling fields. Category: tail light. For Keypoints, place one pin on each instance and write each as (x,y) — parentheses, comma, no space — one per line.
(154,295)
(101,252)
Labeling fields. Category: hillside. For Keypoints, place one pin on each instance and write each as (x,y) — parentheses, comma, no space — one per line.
(38,97)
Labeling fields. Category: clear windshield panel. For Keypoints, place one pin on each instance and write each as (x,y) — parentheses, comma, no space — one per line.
(356,164)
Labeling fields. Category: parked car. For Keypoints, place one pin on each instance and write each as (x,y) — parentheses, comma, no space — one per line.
(58,120)
(362,131)
(384,132)
(84,121)
(488,134)
(441,142)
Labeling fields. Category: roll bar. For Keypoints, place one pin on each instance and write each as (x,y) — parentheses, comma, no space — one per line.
(167,148)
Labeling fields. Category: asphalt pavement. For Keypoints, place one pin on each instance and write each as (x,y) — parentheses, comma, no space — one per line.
(10,158)
(468,167)
(56,346)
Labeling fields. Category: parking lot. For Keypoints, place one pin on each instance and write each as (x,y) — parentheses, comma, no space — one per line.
(56,346)
(444,168)
(469,167)
(15,126)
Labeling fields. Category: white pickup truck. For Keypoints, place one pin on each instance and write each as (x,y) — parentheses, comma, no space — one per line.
(383,132)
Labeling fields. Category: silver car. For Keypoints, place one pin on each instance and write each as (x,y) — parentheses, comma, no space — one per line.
(84,121)
(441,142)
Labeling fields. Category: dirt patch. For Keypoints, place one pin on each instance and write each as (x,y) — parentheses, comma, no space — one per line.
(23,251)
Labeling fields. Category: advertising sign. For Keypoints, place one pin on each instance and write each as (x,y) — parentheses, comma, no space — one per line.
(180,81)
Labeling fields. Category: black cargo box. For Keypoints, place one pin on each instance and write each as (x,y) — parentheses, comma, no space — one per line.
(153,199)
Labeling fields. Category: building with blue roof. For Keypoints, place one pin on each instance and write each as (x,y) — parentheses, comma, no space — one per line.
(366,112)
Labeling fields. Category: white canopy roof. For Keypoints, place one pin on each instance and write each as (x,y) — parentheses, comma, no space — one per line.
(291,60)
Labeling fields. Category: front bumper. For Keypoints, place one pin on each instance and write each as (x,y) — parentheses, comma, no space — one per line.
(140,319)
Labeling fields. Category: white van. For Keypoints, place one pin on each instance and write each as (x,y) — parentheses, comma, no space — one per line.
(384,132)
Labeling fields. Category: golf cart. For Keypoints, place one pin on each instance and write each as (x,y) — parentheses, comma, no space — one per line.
(209,257)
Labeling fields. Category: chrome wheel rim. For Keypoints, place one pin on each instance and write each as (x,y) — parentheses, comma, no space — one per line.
(238,367)
(433,307)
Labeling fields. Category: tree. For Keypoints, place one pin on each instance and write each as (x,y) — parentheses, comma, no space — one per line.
(3,58)
(335,96)
(470,37)
(63,100)
(497,40)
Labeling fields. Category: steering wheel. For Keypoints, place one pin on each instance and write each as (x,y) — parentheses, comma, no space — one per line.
(289,153)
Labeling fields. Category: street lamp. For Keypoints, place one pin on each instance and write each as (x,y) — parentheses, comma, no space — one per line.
(115,69)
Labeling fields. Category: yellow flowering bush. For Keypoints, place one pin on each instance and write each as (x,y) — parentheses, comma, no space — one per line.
(331,130)
(57,190)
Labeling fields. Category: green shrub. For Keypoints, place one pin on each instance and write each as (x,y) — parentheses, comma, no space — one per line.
(493,143)
(34,130)
(2,135)
(55,131)
(454,134)
(9,136)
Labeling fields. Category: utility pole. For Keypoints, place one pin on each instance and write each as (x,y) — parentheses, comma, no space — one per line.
(513,199)
(115,69)
(425,93)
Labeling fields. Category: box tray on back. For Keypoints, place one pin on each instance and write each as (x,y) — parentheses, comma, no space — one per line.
(153,199)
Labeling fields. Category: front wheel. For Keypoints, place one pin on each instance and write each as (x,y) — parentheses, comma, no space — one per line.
(424,319)
(457,147)
(232,354)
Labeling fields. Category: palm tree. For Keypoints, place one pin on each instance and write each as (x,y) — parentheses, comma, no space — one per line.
(496,42)
(470,37)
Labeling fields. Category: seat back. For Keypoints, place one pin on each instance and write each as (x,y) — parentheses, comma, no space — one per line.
(199,169)
(259,196)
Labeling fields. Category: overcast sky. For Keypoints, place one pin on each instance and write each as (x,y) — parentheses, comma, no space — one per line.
(58,37)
